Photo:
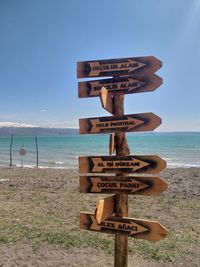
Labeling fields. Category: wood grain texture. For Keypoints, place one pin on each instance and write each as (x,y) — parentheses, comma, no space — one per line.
(121,202)
(137,185)
(106,100)
(119,123)
(112,144)
(105,208)
(147,164)
(121,67)
(124,226)
(120,85)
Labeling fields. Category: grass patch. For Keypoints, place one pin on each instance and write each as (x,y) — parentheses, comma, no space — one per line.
(40,216)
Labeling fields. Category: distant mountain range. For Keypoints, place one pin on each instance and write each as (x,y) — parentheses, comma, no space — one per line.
(36,131)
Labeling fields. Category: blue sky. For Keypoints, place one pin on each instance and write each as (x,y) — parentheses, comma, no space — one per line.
(41,41)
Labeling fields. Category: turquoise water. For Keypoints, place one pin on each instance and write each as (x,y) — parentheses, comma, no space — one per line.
(178,149)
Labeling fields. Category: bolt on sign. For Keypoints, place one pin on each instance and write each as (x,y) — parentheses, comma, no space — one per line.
(112,174)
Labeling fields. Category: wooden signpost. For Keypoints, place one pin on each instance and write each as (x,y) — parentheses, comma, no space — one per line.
(107,100)
(105,208)
(118,67)
(120,85)
(112,144)
(127,123)
(128,164)
(142,229)
(129,75)
(142,185)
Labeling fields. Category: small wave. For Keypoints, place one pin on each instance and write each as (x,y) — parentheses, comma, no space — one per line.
(24,165)
(51,162)
(50,167)
(182,165)
(59,162)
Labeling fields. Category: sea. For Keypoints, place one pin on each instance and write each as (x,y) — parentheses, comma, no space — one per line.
(59,151)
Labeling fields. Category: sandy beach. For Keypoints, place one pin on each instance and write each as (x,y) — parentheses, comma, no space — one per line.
(39,221)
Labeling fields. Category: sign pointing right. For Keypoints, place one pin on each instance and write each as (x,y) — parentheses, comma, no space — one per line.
(120,85)
(142,185)
(130,164)
(119,66)
(126,123)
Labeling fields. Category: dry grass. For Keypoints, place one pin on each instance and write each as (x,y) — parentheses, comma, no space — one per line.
(42,206)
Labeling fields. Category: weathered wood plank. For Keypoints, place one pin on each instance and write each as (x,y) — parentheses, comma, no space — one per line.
(137,228)
(149,164)
(121,203)
(121,67)
(106,100)
(112,144)
(120,85)
(105,208)
(124,123)
(140,185)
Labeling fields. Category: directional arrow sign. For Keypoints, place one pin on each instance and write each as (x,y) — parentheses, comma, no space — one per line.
(144,185)
(119,67)
(142,229)
(129,164)
(120,85)
(126,123)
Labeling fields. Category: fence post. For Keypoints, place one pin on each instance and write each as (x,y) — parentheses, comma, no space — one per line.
(36,143)
(11,142)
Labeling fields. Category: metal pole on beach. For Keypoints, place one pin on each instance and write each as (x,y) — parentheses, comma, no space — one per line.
(36,143)
(11,142)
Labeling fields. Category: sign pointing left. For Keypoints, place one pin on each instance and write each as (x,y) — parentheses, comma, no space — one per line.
(142,229)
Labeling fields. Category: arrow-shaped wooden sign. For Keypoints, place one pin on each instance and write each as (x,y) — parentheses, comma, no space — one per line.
(129,164)
(125,123)
(118,67)
(120,85)
(142,229)
(142,185)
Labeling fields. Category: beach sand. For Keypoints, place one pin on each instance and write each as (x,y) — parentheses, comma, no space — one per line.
(39,221)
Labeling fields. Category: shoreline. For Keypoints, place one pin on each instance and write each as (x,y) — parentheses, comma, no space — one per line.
(169,166)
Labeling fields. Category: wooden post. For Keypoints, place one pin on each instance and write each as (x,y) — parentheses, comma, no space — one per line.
(36,143)
(122,149)
(11,142)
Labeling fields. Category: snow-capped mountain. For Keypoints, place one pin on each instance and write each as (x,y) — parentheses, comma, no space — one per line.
(16,125)
(23,129)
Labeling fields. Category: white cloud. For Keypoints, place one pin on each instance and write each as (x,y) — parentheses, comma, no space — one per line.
(58,124)
(16,124)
